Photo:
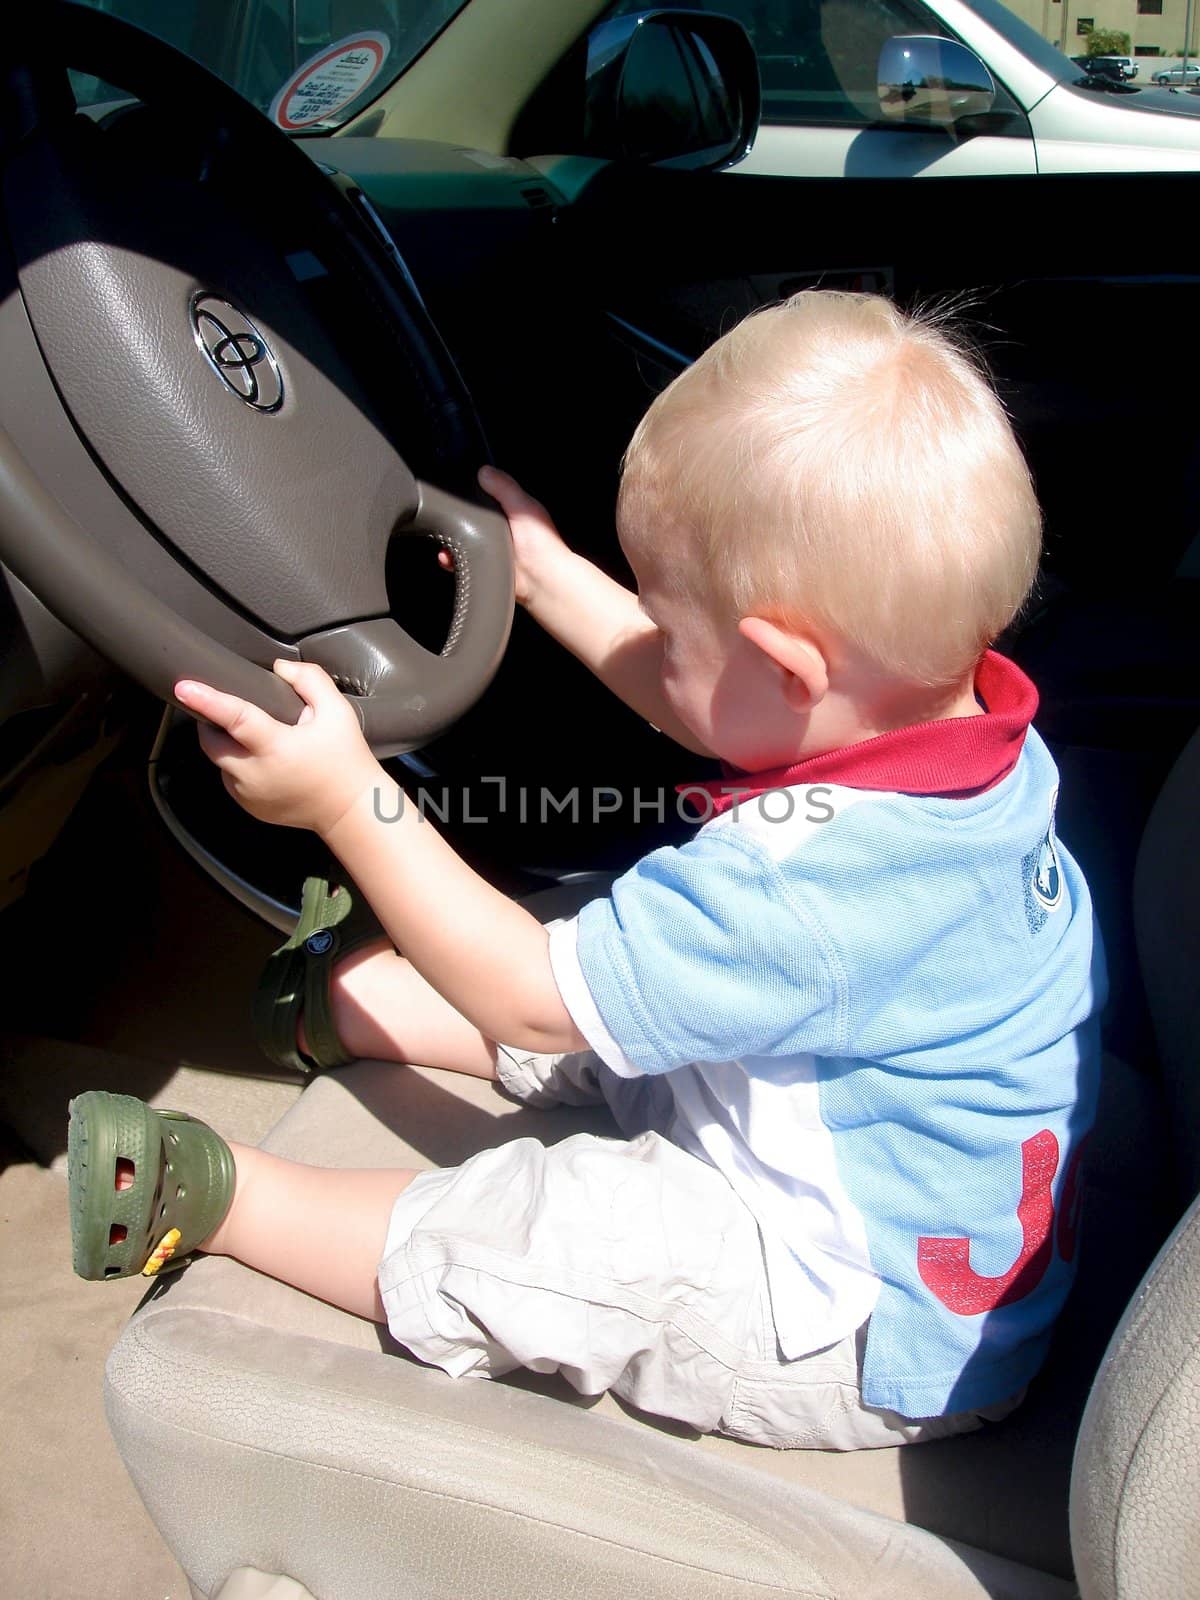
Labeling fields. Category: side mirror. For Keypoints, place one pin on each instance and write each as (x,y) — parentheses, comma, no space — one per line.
(930,81)
(671,88)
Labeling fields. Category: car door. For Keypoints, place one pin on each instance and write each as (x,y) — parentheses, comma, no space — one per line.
(665,261)
(670,259)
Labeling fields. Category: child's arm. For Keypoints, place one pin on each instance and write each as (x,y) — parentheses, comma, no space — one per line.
(481,951)
(595,617)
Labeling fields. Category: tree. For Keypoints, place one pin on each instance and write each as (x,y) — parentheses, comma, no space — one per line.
(1107,42)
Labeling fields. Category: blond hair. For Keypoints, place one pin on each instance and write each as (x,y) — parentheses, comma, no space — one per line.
(836,462)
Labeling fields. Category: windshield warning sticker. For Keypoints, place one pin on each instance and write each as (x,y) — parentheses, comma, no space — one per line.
(329,81)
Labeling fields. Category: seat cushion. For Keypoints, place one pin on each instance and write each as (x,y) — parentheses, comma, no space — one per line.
(1002,1491)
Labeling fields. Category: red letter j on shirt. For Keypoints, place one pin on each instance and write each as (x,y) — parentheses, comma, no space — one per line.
(945,1264)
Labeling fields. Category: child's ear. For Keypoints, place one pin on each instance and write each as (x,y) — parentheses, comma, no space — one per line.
(805,669)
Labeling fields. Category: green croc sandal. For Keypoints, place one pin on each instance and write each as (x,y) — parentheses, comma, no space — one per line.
(182,1178)
(295,980)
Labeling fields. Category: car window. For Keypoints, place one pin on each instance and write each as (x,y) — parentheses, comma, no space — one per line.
(352,49)
(819,59)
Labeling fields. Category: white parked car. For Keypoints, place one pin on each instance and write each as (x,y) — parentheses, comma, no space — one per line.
(822,115)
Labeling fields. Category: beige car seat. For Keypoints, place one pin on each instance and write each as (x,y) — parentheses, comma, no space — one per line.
(286,1449)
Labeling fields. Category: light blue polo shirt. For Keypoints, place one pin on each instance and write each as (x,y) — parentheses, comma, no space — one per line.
(877,1013)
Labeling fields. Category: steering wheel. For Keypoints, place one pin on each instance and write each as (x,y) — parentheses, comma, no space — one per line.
(212,362)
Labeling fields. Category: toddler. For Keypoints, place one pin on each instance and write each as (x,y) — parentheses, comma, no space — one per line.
(849,1031)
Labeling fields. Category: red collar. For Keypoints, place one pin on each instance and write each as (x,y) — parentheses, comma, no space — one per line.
(954,758)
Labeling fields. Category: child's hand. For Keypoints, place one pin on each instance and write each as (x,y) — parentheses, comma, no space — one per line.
(306,776)
(535,538)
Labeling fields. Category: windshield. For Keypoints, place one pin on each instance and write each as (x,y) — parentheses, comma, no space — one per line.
(309,64)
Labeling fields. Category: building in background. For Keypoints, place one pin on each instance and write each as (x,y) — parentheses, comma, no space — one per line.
(1155,27)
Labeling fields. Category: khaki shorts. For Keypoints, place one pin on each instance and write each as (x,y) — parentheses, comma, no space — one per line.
(623,1264)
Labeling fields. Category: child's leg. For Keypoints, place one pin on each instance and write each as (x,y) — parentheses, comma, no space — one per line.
(384,1010)
(318,1228)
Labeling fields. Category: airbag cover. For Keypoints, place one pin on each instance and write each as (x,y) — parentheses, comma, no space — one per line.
(257,456)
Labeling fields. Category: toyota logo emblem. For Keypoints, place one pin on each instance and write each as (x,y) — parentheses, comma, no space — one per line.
(237,352)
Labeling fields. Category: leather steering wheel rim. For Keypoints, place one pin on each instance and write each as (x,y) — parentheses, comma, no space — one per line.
(238,361)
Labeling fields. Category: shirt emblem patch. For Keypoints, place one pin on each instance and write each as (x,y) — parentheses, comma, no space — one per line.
(1047,879)
(1042,877)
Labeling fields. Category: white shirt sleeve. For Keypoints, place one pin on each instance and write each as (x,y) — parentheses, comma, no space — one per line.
(700,954)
